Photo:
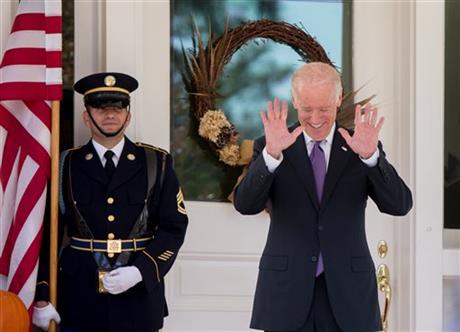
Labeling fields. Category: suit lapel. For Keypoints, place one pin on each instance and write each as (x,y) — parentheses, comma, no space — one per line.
(128,165)
(88,161)
(340,154)
(297,156)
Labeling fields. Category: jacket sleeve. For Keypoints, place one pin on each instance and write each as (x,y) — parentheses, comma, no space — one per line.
(252,193)
(171,218)
(387,189)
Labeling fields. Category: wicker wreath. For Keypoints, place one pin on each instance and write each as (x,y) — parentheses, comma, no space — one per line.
(205,63)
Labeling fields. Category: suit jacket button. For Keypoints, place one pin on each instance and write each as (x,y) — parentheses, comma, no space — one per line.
(321,228)
(314,258)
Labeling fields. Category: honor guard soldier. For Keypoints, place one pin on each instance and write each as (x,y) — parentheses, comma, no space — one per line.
(124,216)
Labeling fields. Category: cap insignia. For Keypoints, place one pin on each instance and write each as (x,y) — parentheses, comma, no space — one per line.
(109,80)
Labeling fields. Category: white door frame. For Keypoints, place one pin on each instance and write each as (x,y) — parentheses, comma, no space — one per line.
(428,154)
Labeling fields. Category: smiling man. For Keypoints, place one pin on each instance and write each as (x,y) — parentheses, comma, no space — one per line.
(123,211)
(316,272)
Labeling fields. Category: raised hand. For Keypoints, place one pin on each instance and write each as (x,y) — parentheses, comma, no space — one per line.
(277,135)
(366,136)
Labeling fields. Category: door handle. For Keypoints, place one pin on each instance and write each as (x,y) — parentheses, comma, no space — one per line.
(383,282)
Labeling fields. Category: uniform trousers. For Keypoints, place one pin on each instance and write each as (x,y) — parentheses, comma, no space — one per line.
(320,318)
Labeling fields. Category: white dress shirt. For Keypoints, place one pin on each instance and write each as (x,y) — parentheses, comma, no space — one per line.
(117,150)
(272,163)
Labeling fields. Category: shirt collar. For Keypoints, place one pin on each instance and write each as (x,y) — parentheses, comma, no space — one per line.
(117,149)
(328,138)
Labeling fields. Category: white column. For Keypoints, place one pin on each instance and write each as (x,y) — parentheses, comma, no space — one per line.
(89,53)
(429,163)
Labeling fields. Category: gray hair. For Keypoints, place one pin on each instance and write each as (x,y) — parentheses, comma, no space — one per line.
(316,73)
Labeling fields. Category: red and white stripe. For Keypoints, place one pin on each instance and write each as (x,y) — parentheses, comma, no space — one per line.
(30,76)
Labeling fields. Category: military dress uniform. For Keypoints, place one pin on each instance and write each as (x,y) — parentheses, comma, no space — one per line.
(136,217)
(110,209)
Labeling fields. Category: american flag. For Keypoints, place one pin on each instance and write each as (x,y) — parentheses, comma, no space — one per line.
(30,77)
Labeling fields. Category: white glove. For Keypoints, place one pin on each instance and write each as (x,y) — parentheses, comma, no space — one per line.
(43,316)
(121,279)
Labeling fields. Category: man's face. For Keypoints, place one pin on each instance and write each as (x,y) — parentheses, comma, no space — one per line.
(316,107)
(109,119)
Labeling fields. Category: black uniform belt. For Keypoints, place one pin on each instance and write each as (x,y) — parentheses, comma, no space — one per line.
(109,246)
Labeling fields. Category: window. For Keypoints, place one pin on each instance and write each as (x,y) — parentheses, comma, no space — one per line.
(451,284)
(452,118)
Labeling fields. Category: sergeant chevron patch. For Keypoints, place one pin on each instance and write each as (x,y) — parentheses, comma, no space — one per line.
(180,203)
(166,255)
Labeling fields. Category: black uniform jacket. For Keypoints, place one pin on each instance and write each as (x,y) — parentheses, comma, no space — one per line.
(300,228)
(113,207)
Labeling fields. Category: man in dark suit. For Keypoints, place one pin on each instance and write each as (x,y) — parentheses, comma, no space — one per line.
(316,272)
(123,211)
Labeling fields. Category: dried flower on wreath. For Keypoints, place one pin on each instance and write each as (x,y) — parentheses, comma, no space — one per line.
(211,125)
(230,154)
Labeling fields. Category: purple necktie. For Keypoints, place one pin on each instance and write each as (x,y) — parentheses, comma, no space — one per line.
(318,162)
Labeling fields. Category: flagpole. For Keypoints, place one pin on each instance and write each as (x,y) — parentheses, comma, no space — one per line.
(54,205)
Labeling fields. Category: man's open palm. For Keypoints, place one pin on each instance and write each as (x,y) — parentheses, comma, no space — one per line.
(366,136)
(277,135)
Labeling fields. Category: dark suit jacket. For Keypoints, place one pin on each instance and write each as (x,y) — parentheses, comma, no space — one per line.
(300,228)
(142,307)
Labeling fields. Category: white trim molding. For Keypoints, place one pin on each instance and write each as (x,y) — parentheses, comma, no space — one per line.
(429,164)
